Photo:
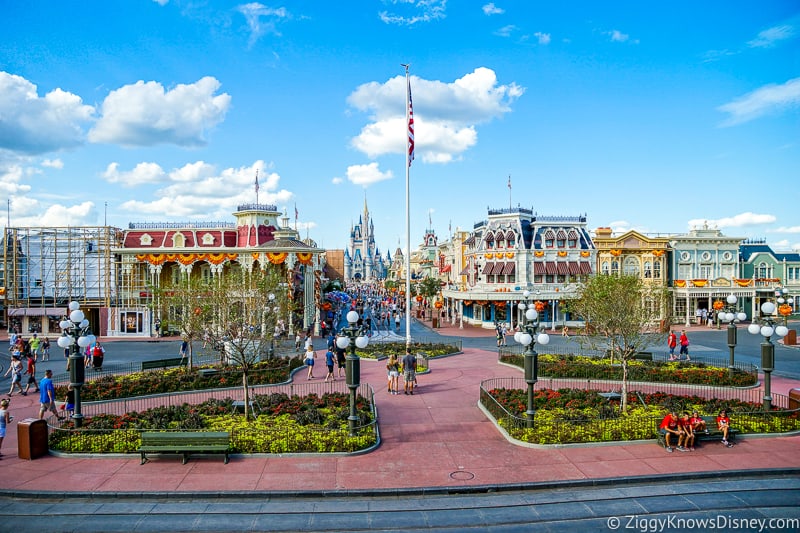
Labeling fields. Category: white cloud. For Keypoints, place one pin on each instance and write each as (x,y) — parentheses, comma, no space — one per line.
(11,181)
(26,211)
(769,37)
(53,163)
(764,100)
(145,114)
(506,31)
(543,38)
(445,114)
(736,221)
(262,19)
(141,174)
(413,12)
(491,9)
(337,181)
(197,191)
(30,124)
(785,229)
(367,174)
(617,36)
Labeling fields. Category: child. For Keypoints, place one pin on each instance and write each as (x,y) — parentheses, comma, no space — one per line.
(688,432)
(698,424)
(724,424)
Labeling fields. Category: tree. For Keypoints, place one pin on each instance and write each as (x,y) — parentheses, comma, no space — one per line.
(622,313)
(236,312)
(184,303)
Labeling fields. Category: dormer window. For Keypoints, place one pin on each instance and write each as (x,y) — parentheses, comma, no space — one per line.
(511,239)
(178,240)
(145,240)
(572,239)
(549,239)
(561,239)
(207,239)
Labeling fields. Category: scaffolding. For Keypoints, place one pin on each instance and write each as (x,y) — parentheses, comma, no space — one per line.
(44,268)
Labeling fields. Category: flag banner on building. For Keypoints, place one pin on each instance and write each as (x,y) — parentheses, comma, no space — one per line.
(410,125)
(256,181)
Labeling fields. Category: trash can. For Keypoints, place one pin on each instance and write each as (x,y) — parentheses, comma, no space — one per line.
(794,398)
(791,338)
(435,322)
(32,438)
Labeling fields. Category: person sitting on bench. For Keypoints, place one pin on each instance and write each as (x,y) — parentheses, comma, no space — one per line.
(724,425)
(698,424)
(670,426)
(688,432)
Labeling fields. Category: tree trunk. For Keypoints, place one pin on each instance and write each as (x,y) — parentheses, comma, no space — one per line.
(624,390)
(246,394)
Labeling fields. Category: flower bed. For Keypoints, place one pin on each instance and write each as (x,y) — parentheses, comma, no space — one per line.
(575,415)
(579,366)
(286,424)
(431,350)
(179,379)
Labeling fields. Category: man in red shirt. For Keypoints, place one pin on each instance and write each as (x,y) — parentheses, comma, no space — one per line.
(671,426)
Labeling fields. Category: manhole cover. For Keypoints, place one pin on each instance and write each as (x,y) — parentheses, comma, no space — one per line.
(462,475)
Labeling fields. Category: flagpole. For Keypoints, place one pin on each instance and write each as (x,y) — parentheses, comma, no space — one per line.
(408,214)
(509,192)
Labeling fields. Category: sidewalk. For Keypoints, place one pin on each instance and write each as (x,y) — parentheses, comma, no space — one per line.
(436,438)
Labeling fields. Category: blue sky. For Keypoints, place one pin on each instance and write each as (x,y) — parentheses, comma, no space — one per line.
(654,117)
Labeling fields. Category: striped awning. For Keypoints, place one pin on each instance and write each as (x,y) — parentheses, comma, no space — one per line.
(465,271)
(586,268)
(38,311)
(498,268)
(509,269)
(538,268)
(563,268)
(551,268)
(488,267)
(574,268)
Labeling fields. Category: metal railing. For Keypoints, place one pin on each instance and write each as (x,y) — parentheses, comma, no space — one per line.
(608,425)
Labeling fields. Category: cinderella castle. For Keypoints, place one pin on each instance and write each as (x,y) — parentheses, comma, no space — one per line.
(362,259)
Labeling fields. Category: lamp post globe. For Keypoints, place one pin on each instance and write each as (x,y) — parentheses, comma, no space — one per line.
(528,337)
(765,326)
(352,336)
(75,337)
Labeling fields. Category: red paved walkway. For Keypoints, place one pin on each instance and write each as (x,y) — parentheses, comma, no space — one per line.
(435,438)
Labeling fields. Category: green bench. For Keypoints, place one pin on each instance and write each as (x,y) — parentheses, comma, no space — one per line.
(184,443)
(713,435)
(164,363)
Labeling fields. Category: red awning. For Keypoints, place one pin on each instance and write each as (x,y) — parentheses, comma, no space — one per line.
(487,269)
(465,271)
(574,268)
(538,268)
(509,268)
(563,268)
(445,268)
(586,268)
(551,268)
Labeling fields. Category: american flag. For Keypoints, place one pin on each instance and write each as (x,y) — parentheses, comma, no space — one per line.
(256,181)
(296,214)
(410,126)
(509,182)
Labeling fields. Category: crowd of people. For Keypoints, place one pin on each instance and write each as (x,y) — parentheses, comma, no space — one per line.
(685,429)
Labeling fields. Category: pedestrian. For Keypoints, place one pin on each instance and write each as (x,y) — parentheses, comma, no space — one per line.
(672,343)
(341,360)
(184,349)
(31,371)
(409,372)
(308,342)
(98,353)
(16,370)
(684,346)
(157,324)
(47,396)
(565,331)
(329,360)
(396,321)
(309,360)
(393,371)
(45,349)
(5,421)
(298,341)
(35,344)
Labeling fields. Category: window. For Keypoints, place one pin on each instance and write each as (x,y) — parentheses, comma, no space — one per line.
(572,240)
(561,239)
(549,239)
(648,270)
(208,239)
(205,273)
(657,269)
(500,240)
(178,240)
(615,267)
(684,271)
(145,240)
(511,239)
(705,271)
(631,267)
(175,274)
(763,271)
(793,273)
(605,268)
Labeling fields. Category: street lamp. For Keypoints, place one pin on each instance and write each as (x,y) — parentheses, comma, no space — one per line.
(730,316)
(76,336)
(766,327)
(353,337)
(784,304)
(528,338)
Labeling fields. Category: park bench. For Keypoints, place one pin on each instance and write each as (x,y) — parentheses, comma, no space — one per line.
(713,435)
(164,363)
(184,443)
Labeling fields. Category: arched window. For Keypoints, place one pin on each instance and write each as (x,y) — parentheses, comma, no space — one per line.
(763,271)
(178,240)
(657,269)
(631,266)
(648,269)
(615,267)
(572,239)
(549,239)
(604,268)
(561,239)
(489,241)
(501,240)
